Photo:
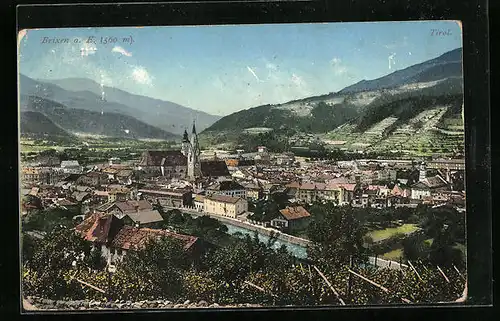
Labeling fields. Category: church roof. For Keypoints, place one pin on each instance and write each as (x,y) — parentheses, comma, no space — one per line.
(163,158)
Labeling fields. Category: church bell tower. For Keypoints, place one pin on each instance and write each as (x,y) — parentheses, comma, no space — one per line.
(194,166)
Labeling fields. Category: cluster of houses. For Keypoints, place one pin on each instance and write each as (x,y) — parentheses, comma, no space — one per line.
(119,203)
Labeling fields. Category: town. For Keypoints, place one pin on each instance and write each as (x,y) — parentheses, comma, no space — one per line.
(117,206)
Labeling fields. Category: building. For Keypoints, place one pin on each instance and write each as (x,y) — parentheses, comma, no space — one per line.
(225,205)
(124,176)
(199,203)
(310,192)
(214,168)
(167,197)
(95,179)
(121,209)
(427,186)
(171,163)
(229,188)
(191,149)
(253,191)
(286,159)
(115,238)
(447,164)
(118,194)
(71,167)
(291,218)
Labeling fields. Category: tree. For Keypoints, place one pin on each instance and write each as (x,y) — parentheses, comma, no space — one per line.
(336,237)
(52,258)
(155,271)
(95,260)
(414,248)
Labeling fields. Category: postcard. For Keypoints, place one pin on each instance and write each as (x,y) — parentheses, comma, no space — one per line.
(242,166)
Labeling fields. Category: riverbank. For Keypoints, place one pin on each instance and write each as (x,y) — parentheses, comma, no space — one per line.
(248,226)
(296,245)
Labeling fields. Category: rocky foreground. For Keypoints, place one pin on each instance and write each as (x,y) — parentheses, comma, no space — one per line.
(36,303)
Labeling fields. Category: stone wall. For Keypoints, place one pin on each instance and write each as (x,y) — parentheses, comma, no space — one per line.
(46,304)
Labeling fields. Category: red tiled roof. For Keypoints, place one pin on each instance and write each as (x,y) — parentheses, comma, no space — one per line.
(136,238)
(293,213)
(293,185)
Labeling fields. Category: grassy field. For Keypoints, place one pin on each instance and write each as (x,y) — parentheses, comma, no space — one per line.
(393,255)
(380,235)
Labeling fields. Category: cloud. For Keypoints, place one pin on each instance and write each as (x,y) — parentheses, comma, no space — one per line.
(122,51)
(141,76)
(338,68)
(253,73)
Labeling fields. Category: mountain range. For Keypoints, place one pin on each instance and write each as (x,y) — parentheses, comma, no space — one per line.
(397,98)
(86,95)
(77,106)
(50,118)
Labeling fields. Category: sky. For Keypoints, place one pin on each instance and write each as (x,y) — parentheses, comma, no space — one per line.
(226,68)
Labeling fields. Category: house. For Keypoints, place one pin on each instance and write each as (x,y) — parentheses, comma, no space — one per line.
(95,179)
(168,197)
(115,238)
(425,187)
(36,175)
(225,205)
(124,176)
(310,192)
(111,172)
(199,202)
(362,201)
(144,218)
(291,218)
(80,197)
(132,212)
(227,187)
(253,191)
(120,209)
(67,204)
(118,195)
(71,167)
(214,168)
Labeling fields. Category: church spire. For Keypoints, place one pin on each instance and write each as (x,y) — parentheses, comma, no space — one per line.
(185,137)
(194,128)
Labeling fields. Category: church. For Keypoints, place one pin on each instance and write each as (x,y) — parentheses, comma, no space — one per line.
(191,150)
(183,164)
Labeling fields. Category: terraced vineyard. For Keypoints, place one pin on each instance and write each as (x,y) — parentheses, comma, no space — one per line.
(426,134)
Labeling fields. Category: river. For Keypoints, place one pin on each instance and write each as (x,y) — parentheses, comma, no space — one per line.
(296,250)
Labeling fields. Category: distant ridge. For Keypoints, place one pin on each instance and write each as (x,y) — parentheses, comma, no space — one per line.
(163,114)
(81,121)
